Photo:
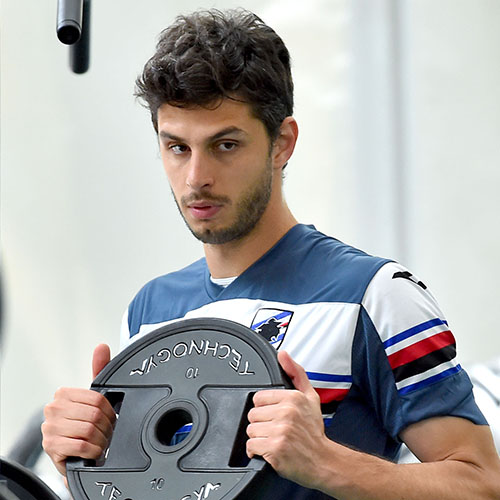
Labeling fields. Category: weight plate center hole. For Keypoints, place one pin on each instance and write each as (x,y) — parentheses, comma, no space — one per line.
(174,427)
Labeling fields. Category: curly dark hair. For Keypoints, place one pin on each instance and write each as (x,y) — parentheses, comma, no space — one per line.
(210,55)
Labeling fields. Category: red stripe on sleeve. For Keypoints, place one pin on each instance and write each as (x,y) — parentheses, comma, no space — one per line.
(420,349)
(329,395)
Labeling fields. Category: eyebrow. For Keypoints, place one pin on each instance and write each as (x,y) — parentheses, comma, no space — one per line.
(228,130)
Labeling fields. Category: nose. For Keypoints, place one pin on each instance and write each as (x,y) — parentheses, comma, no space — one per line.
(199,171)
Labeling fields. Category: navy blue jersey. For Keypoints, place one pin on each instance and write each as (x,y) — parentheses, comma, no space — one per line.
(371,337)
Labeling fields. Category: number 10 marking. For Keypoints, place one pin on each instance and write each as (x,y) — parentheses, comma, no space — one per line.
(192,372)
(157,483)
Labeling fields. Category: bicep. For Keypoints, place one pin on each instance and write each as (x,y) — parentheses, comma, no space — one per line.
(450,438)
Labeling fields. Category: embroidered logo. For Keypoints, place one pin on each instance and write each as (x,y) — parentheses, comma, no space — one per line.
(272,324)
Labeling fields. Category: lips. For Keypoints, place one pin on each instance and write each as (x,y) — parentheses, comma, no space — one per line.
(203,210)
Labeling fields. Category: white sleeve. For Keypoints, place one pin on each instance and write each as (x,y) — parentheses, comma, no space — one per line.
(412,328)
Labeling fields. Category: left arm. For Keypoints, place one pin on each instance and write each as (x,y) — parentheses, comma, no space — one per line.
(286,429)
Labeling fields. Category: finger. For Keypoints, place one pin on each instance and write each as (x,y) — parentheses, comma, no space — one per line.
(89,414)
(100,358)
(260,429)
(65,397)
(258,446)
(269,397)
(262,413)
(59,448)
(75,429)
(72,447)
(100,413)
(296,373)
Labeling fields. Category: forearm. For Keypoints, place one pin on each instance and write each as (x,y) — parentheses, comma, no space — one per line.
(286,429)
(350,475)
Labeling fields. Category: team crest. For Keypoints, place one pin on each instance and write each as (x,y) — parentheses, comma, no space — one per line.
(272,324)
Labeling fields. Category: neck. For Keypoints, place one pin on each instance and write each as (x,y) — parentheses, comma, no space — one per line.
(232,258)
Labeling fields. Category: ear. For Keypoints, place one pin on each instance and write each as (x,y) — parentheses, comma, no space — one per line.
(285,143)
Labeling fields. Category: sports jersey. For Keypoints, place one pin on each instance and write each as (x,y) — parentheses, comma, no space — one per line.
(371,337)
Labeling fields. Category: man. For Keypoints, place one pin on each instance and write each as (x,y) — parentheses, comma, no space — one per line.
(365,344)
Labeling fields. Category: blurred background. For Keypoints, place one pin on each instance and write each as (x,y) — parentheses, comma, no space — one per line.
(398,104)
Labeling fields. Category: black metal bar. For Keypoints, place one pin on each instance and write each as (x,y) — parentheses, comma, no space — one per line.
(69,20)
(79,53)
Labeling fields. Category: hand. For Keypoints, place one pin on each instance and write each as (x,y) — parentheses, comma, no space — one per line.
(79,422)
(286,427)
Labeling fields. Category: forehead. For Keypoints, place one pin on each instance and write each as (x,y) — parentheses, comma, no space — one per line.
(203,122)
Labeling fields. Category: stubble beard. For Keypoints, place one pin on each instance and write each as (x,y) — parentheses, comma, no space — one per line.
(249,210)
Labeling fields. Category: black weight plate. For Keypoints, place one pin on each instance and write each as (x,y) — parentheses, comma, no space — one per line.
(19,483)
(200,371)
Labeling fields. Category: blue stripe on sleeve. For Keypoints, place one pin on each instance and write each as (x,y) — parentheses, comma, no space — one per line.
(430,380)
(413,331)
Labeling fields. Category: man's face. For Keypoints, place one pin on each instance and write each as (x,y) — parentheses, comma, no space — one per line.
(219,166)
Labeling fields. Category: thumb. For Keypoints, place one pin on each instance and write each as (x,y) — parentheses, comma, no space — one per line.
(101,357)
(296,373)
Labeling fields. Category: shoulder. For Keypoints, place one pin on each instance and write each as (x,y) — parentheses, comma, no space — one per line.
(412,329)
(168,297)
(399,304)
(327,267)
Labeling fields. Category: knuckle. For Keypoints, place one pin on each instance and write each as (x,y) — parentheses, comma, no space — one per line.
(47,444)
(102,402)
(50,445)
(88,430)
(61,393)
(48,409)
(83,449)
(47,434)
(95,397)
(296,397)
(290,412)
(284,429)
(94,415)
(44,428)
(52,410)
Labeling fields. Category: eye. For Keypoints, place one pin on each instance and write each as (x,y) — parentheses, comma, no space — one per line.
(178,149)
(226,146)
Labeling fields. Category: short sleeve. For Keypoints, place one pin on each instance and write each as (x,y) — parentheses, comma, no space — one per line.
(404,354)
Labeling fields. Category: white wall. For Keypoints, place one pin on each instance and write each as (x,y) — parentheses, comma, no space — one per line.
(453,161)
(390,100)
